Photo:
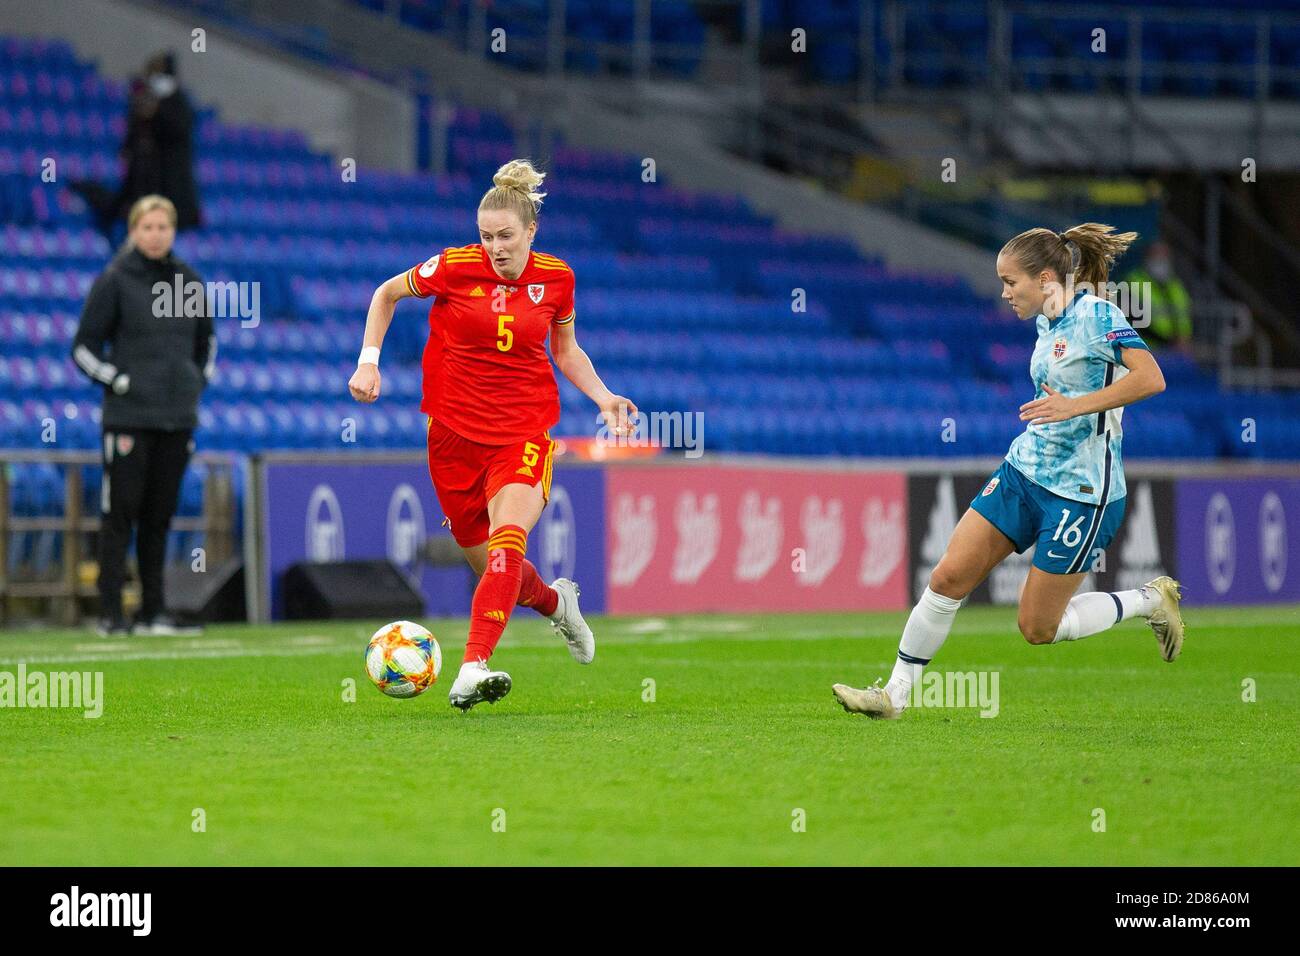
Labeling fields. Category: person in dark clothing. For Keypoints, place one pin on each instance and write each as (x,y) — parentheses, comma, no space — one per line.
(158,151)
(144,343)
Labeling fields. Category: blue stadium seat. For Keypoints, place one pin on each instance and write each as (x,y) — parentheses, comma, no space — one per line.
(672,303)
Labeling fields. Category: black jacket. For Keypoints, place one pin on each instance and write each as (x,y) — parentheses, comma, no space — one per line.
(160,158)
(158,359)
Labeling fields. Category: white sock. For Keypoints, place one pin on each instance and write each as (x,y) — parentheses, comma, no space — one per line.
(1098,611)
(558,613)
(927,628)
(1142,602)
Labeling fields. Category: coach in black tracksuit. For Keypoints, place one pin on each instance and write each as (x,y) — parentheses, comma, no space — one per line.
(153,361)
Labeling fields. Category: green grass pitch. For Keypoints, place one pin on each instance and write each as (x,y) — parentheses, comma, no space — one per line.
(251,726)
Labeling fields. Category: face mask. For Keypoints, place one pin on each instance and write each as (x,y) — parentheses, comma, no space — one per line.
(162,85)
(1159,269)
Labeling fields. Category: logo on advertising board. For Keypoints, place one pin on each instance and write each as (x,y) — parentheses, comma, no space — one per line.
(1220,543)
(1272,542)
(1140,555)
(823,532)
(558,534)
(885,533)
(405,529)
(699,528)
(941,522)
(761,530)
(635,528)
(324,526)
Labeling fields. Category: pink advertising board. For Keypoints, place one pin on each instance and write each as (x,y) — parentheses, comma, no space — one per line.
(685,538)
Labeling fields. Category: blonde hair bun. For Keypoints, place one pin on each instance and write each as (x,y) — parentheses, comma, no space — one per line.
(520,174)
(515,187)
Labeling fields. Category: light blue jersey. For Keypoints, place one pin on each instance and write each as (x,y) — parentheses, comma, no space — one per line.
(1078,353)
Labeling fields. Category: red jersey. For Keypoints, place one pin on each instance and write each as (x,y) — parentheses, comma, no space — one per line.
(487,376)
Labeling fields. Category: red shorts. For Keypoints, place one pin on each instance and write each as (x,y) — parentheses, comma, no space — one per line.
(466,475)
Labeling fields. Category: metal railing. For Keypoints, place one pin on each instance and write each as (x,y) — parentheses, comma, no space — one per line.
(71,583)
(541,38)
(545,37)
(1068,29)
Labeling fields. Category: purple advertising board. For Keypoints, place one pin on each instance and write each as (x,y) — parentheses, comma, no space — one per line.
(335,511)
(1239,540)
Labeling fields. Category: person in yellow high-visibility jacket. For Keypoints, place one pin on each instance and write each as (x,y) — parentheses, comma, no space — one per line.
(1169,307)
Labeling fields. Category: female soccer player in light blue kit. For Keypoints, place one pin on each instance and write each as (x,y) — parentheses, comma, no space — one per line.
(1061,487)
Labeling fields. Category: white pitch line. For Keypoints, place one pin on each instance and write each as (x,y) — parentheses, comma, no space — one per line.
(319,644)
(173,656)
(623,635)
(650,625)
(190,653)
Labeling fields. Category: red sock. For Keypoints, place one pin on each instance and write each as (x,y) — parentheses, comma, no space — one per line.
(497,591)
(536,593)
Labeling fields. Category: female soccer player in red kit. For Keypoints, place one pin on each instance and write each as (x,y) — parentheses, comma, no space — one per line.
(491,399)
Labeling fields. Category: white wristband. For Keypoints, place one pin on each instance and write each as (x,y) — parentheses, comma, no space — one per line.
(369,356)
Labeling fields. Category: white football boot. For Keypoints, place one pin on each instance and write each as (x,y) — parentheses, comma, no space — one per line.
(872,701)
(1166,620)
(476,683)
(568,623)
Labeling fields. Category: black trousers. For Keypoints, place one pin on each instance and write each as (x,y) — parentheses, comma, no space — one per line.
(143,468)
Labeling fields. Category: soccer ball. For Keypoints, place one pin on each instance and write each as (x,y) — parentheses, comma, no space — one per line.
(403,659)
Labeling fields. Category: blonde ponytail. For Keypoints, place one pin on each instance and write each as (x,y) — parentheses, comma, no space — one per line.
(1082,255)
(1098,247)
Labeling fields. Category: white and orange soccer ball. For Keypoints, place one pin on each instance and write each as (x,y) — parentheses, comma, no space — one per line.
(403,659)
